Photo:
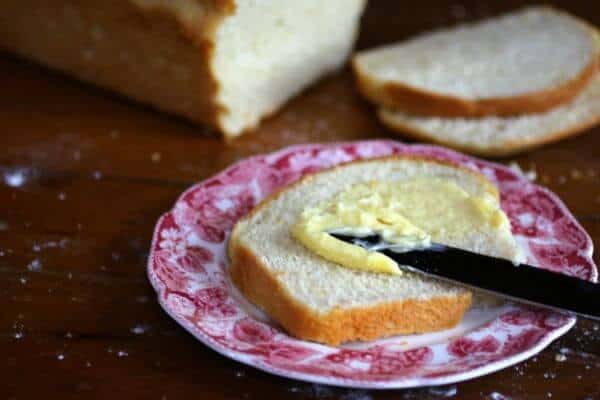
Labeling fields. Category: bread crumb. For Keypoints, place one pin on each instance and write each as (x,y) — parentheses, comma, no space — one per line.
(156,156)
(530,175)
(559,357)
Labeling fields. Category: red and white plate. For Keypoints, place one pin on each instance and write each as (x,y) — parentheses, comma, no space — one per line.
(188,269)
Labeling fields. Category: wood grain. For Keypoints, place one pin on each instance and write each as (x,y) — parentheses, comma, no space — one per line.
(98,171)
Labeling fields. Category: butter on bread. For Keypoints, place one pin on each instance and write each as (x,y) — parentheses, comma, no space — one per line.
(223,63)
(317,300)
(526,61)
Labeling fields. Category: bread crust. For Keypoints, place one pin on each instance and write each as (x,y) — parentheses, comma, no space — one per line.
(507,148)
(396,95)
(148,53)
(261,287)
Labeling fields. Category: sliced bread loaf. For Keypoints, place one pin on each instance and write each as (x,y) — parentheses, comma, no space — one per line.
(222,63)
(500,136)
(318,300)
(523,62)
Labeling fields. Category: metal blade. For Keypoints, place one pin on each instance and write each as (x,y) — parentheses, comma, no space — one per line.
(522,282)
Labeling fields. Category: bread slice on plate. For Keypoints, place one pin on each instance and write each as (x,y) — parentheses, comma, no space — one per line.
(501,136)
(527,61)
(318,300)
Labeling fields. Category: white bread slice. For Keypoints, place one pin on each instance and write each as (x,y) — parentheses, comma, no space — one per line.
(223,63)
(501,136)
(526,61)
(318,300)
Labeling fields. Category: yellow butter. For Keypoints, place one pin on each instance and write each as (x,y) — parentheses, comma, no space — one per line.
(408,213)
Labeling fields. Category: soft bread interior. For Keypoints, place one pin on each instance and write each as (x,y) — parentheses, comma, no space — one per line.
(324,286)
(270,49)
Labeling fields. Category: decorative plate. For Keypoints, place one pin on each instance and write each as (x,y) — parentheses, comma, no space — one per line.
(188,269)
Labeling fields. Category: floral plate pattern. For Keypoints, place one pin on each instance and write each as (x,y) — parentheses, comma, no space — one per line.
(188,269)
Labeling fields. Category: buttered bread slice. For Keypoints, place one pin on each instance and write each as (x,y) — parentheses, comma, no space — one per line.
(320,300)
(527,61)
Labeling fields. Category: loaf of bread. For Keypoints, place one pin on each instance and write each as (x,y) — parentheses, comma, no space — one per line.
(527,61)
(318,300)
(223,63)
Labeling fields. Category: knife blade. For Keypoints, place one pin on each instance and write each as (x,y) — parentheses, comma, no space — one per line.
(519,282)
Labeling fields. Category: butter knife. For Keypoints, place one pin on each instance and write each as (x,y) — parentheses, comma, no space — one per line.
(519,282)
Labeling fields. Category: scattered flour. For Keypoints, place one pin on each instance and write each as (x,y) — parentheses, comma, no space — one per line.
(444,391)
(16,177)
(35,265)
(498,396)
(529,175)
(139,329)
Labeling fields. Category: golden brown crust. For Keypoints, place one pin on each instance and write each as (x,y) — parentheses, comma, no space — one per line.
(198,19)
(505,149)
(150,54)
(259,285)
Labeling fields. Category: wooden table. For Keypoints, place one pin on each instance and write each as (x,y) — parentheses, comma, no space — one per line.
(86,175)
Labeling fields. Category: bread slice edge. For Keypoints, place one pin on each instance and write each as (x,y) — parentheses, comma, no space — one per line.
(262,288)
(503,148)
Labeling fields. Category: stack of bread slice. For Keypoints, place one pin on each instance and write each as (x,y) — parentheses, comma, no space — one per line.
(494,87)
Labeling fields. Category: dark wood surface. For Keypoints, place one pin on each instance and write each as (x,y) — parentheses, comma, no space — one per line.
(99,170)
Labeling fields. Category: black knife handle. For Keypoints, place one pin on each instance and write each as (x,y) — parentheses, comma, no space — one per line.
(523,282)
